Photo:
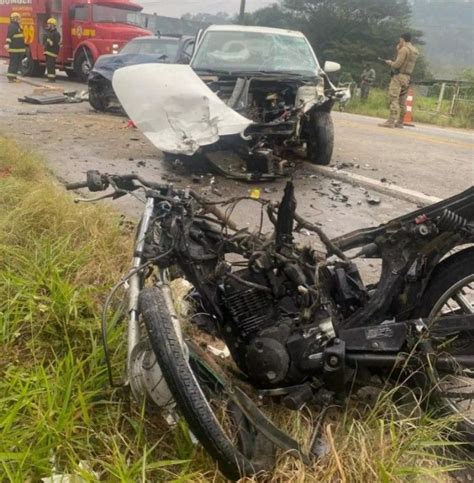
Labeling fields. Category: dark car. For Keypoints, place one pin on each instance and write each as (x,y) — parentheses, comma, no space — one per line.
(143,50)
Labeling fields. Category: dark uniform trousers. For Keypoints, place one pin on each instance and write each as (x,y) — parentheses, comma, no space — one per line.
(14,64)
(51,44)
(16,49)
(51,67)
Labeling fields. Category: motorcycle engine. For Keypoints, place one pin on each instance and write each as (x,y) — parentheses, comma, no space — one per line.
(265,330)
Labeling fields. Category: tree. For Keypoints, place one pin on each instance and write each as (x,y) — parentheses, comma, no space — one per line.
(352,32)
(209,18)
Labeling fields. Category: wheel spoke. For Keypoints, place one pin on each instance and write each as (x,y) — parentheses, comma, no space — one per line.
(463,302)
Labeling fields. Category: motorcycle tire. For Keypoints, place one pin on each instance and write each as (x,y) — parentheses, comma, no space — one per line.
(188,394)
(448,274)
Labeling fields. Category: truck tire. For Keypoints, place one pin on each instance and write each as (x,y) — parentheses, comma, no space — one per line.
(96,99)
(83,63)
(321,138)
(186,390)
(71,74)
(30,67)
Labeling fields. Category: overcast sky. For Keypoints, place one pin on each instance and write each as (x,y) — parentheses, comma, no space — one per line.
(176,8)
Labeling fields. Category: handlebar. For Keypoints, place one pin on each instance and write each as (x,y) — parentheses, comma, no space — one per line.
(97,181)
(76,186)
(124,184)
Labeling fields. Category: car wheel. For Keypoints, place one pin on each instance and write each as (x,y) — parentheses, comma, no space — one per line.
(96,99)
(320,138)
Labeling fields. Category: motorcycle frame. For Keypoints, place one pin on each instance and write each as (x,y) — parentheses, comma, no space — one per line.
(394,271)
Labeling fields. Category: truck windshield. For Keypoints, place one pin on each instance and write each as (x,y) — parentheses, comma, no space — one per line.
(255,52)
(103,14)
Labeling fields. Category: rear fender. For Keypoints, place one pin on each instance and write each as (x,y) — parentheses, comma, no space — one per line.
(447,262)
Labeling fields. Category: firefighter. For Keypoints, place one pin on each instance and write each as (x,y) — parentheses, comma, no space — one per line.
(15,45)
(51,44)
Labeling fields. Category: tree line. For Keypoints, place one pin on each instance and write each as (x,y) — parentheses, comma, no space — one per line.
(351,32)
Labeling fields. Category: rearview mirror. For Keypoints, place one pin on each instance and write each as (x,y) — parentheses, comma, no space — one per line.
(331,67)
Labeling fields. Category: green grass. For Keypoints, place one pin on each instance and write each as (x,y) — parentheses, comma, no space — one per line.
(424,110)
(57,411)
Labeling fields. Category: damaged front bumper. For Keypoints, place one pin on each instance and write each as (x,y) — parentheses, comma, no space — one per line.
(183,116)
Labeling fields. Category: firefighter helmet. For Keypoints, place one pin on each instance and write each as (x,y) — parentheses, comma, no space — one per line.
(15,16)
(52,21)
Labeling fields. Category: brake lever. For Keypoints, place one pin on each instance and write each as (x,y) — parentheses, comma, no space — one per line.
(93,200)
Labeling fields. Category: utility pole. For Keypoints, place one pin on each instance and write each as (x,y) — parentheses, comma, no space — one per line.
(242,12)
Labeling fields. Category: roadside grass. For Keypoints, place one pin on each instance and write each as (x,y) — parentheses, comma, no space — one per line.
(424,110)
(58,413)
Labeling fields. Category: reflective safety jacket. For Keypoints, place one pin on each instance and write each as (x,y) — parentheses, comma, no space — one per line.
(51,42)
(15,39)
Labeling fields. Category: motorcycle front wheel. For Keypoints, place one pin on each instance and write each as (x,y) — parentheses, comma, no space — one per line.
(233,457)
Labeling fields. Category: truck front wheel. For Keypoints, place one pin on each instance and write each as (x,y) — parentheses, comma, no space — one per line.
(83,63)
(320,138)
(31,67)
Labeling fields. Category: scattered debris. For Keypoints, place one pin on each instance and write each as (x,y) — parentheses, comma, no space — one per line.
(141,164)
(367,167)
(270,190)
(55,97)
(214,189)
(343,165)
(373,201)
(223,354)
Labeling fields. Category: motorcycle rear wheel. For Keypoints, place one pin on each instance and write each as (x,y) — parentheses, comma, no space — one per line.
(450,292)
(188,392)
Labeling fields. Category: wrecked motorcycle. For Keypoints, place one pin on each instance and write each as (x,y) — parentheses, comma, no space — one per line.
(296,321)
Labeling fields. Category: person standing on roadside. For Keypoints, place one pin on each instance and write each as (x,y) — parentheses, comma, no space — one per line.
(15,46)
(51,45)
(367,79)
(402,69)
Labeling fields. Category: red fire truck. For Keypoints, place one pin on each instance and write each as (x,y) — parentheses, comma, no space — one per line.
(88,28)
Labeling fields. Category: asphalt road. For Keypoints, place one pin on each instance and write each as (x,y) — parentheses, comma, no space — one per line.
(436,161)
(73,139)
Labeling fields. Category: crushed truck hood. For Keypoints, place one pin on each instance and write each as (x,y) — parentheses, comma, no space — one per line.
(173,107)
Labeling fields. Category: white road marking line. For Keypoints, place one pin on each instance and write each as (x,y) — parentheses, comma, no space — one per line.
(388,189)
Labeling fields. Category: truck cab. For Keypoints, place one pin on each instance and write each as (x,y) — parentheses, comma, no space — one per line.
(89,28)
